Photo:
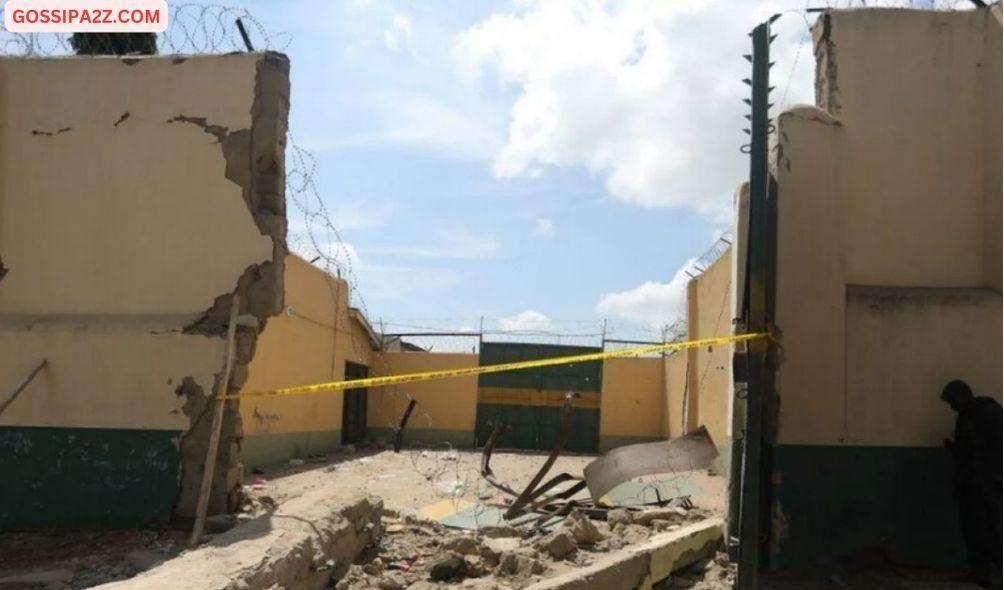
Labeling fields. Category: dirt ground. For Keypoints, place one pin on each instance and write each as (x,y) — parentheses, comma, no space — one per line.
(407,482)
(415,478)
(416,551)
(58,561)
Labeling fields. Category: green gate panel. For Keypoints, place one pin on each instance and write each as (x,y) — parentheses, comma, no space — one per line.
(530,399)
(537,427)
(571,377)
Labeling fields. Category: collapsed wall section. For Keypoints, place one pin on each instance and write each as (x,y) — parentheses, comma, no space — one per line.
(137,196)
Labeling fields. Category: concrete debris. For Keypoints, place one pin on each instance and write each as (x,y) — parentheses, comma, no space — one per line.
(463,545)
(672,514)
(619,516)
(582,529)
(493,549)
(558,545)
(518,564)
(449,566)
(643,565)
(289,548)
(659,525)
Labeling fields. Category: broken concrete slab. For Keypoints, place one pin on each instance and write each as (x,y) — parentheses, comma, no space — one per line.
(301,546)
(643,565)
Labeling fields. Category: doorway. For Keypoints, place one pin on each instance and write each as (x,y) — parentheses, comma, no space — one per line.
(354,406)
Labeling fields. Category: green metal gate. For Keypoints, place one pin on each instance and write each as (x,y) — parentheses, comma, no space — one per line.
(530,399)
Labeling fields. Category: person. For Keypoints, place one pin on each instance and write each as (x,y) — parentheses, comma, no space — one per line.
(976,451)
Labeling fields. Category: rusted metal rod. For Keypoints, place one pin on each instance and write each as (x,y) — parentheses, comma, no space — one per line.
(399,434)
(23,385)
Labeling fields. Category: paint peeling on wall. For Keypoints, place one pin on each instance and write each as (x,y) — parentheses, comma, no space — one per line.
(142,346)
(255,161)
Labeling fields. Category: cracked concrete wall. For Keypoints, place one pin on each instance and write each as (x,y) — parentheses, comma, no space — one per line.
(136,196)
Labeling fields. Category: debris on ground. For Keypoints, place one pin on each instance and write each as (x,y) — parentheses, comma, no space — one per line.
(417,553)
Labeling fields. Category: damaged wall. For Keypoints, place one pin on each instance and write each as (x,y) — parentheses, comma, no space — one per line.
(309,342)
(889,278)
(136,196)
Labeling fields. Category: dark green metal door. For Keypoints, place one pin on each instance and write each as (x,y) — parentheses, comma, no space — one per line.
(530,399)
(354,406)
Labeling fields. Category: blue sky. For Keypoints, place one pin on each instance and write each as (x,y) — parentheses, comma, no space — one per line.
(543,164)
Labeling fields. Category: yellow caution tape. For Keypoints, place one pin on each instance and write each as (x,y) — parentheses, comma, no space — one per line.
(332,386)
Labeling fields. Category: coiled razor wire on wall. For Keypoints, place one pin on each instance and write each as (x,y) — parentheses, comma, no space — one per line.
(191,28)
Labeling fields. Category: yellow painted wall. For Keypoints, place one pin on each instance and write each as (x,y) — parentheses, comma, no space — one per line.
(631,403)
(897,185)
(135,197)
(117,236)
(447,404)
(902,345)
(675,375)
(309,343)
(711,377)
(700,397)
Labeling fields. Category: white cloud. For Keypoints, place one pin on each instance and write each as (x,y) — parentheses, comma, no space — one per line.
(543,227)
(645,94)
(655,304)
(361,214)
(397,37)
(449,125)
(459,244)
(526,321)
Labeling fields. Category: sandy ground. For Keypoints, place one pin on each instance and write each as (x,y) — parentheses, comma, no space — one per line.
(416,478)
(413,546)
(406,482)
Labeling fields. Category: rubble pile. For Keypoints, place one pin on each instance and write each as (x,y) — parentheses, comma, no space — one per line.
(417,554)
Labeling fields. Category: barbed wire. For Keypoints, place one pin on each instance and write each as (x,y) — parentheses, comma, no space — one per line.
(914,4)
(191,28)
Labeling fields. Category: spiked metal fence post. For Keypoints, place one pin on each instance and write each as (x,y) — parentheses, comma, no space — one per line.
(755,313)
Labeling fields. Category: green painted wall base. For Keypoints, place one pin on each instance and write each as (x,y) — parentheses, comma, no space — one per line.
(76,478)
(608,443)
(266,450)
(425,437)
(838,500)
